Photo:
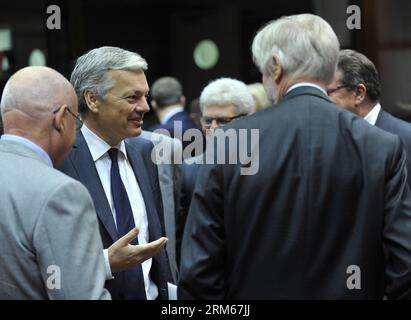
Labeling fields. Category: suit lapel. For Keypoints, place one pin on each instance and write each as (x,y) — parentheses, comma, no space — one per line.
(137,163)
(86,169)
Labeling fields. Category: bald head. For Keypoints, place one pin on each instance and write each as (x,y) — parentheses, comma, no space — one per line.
(35,105)
(34,91)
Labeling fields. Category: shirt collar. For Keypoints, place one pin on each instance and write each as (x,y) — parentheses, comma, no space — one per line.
(171,114)
(29,144)
(306,84)
(97,146)
(372,116)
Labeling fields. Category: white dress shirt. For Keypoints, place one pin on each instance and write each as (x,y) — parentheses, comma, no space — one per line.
(372,116)
(99,152)
(171,114)
(306,84)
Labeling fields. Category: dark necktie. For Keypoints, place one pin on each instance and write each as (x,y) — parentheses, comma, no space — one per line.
(133,278)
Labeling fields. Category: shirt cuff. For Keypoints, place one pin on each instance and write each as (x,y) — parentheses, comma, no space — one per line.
(172,291)
(109,275)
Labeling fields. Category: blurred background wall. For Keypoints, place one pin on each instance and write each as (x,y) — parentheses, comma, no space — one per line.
(167,32)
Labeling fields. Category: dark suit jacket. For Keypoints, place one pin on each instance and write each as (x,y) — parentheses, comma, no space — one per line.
(80,166)
(186,123)
(330,193)
(400,128)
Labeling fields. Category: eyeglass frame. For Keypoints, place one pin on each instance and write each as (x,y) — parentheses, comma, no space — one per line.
(79,122)
(330,91)
(218,119)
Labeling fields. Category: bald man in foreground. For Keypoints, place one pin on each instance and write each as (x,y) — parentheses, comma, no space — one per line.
(50,246)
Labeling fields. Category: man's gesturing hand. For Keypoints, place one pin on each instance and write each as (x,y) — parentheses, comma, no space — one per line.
(122,255)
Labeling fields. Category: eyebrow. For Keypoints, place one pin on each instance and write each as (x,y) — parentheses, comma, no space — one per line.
(135,92)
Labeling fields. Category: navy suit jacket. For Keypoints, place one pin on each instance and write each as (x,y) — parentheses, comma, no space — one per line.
(80,166)
(186,122)
(400,128)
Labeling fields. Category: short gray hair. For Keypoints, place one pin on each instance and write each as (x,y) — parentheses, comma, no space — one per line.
(91,71)
(166,91)
(305,44)
(226,90)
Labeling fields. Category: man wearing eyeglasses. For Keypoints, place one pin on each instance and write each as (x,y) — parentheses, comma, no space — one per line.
(356,88)
(221,102)
(44,253)
(115,165)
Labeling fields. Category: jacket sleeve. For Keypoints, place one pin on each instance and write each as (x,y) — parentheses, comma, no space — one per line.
(68,245)
(203,246)
(397,226)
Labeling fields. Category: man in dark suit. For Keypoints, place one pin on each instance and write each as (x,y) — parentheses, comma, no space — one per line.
(168,101)
(356,88)
(116,167)
(327,215)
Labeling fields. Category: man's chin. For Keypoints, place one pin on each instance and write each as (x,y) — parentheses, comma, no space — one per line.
(134,131)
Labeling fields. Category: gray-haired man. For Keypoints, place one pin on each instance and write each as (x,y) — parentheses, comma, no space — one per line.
(116,167)
(330,198)
(50,245)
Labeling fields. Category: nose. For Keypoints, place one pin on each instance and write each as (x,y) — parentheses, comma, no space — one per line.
(143,106)
(214,124)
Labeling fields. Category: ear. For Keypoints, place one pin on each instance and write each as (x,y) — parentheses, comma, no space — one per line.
(59,118)
(278,71)
(183,100)
(154,105)
(360,93)
(91,100)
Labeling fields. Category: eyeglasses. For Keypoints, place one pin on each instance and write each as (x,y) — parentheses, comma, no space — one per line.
(207,121)
(79,122)
(330,91)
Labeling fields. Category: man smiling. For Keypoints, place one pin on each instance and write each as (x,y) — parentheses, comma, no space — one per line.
(115,166)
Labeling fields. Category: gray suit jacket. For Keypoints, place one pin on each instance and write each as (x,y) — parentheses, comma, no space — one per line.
(50,247)
(169,174)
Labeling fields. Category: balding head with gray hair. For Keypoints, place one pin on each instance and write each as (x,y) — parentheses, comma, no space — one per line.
(91,71)
(225,91)
(305,46)
(34,91)
(38,104)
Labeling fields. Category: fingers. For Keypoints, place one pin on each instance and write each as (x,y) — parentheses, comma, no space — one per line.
(158,243)
(127,238)
(150,249)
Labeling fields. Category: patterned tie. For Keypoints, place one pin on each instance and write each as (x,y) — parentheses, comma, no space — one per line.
(133,278)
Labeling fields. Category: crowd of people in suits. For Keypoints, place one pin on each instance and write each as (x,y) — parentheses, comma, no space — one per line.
(125,213)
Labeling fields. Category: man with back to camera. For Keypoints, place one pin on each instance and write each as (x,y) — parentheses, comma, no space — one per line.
(356,87)
(50,245)
(330,195)
(115,165)
(168,101)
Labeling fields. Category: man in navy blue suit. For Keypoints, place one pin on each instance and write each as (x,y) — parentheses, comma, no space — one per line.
(115,165)
(168,103)
(356,88)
